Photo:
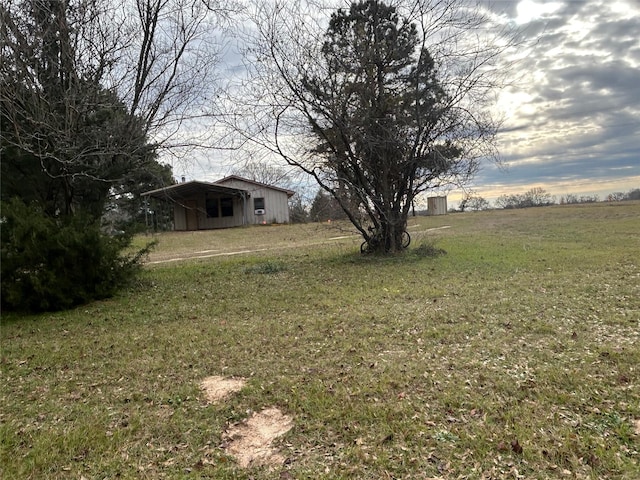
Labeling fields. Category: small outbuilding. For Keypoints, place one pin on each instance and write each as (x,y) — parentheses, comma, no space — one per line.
(437,205)
(230,202)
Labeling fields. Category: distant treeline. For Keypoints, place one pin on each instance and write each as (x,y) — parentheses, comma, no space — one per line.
(325,207)
(539,197)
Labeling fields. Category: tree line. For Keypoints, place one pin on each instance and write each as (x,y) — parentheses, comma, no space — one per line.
(539,197)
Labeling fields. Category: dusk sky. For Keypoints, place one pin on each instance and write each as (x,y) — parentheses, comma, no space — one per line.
(572,117)
(573,122)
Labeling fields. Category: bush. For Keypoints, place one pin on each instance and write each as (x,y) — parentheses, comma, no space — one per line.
(428,249)
(57,263)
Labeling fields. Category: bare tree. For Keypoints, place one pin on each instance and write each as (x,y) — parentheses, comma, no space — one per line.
(265,172)
(385,101)
(474,203)
(91,89)
(615,197)
(169,75)
(534,197)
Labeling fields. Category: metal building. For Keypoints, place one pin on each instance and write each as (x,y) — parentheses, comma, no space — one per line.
(231,202)
(437,205)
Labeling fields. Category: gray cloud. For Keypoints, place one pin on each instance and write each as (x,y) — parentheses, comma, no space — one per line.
(580,122)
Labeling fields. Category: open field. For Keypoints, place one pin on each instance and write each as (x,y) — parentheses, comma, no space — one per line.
(515,355)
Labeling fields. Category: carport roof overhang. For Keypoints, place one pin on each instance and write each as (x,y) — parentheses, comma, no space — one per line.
(188,189)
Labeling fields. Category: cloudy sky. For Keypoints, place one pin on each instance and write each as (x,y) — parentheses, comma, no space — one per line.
(572,122)
(572,116)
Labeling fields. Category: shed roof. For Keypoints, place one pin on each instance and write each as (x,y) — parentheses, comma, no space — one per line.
(224,180)
(188,189)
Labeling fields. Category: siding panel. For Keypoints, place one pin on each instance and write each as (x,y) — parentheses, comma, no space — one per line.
(276,202)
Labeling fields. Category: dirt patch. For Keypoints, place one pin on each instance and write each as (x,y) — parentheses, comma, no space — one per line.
(637,425)
(218,388)
(250,442)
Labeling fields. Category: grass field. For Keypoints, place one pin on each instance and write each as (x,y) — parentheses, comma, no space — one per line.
(514,355)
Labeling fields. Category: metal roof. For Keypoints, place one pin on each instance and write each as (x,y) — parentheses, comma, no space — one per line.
(188,189)
(289,193)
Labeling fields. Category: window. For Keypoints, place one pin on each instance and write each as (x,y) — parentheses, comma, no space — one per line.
(212,208)
(226,207)
(258,203)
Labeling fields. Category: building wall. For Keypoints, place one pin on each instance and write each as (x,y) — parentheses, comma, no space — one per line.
(276,202)
(191,214)
(179,218)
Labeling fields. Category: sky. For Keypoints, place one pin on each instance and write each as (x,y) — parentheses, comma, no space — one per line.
(572,121)
(571,118)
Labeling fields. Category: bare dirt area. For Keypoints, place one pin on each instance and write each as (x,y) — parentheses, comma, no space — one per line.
(217,388)
(250,441)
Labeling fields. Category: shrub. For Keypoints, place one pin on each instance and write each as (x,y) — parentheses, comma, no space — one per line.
(56,263)
(428,249)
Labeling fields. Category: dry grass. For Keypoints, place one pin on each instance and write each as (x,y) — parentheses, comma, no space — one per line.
(515,355)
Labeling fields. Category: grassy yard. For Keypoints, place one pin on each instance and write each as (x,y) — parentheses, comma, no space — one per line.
(514,355)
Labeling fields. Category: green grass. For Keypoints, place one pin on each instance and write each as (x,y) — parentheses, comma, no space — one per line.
(415,366)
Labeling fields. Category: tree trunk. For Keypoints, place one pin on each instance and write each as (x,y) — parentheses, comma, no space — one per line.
(392,227)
